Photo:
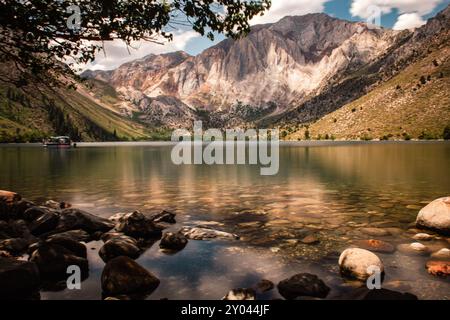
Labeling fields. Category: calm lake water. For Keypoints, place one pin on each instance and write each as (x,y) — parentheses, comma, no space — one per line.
(331,190)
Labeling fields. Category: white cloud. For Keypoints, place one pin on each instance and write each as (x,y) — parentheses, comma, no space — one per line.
(116,52)
(361,8)
(409,21)
(282,8)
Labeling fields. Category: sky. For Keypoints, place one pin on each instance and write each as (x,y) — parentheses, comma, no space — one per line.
(394,14)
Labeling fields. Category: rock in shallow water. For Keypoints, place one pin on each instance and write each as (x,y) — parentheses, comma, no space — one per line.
(303,285)
(204,234)
(53,261)
(435,216)
(119,246)
(375,245)
(123,275)
(44,223)
(415,248)
(264,286)
(173,241)
(73,219)
(139,226)
(240,294)
(443,254)
(359,264)
(14,245)
(438,268)
(17,278)
(423,237)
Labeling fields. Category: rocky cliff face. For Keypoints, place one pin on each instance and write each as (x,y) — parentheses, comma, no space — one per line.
(276,64)
(293,71)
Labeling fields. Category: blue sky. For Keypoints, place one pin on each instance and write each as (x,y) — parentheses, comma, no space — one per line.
(396,14)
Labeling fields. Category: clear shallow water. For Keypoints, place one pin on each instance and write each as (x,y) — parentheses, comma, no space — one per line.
(332,190)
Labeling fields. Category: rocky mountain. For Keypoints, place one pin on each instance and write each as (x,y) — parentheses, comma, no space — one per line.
(275,65)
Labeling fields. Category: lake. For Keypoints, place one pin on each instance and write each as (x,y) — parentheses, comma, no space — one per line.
(329,189)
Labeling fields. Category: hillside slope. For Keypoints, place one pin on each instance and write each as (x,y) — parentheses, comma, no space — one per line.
(414,104)
(30,113)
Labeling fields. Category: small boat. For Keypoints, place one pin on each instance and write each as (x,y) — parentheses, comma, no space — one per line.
(58,142)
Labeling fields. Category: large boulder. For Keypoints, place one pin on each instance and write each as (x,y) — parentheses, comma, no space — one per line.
(173,241)
(123,275)
(45,223)
(74,246)
(120,246)
(73,219)
(359,264)
(303,285)
(33,213)
(53,261)
(435,216)
(139,226)
(18,278)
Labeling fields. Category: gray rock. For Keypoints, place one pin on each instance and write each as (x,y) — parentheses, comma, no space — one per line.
(303,285)
(123,275)
(76,235)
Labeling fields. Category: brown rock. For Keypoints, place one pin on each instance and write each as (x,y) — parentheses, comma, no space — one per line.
(438,268)
(310,240)
(375,245)
(123,275)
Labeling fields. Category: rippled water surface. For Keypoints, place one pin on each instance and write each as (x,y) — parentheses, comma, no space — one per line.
(330,190)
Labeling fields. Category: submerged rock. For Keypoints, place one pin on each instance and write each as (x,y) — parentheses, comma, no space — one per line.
(123,275)
(310,239)
(438,268)
(57,205)
(139,226)
(415,248)
(376,232)
(119,246)
(423,237)
(443,254)
(204,234)
(435,216)
(73,219)
(303,285)
(359,264)
(18,278)
(240,294)
(375,245)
